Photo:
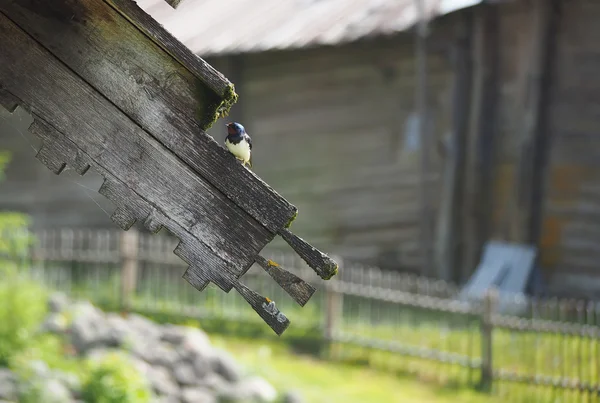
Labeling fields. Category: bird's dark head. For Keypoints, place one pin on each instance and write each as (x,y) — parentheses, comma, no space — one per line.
(235,128)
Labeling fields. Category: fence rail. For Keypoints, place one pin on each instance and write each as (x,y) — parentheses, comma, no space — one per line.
(550,352)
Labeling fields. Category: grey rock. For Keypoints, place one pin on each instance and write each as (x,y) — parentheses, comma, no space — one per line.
(292,396)
(55,391)
(185,375)
(197,395)
(71,381)
(195,345)
(84,309)
(39,368)
(173,334)
(144,326)
(215,383)
(223,364)
(89,328)
(8,385)
(54,323)
(167,399)
(46,390)
(119,332)
(97,353)
(254,389)
(165,355)
(202,366)
(57,302)
(156,353)
(163,382)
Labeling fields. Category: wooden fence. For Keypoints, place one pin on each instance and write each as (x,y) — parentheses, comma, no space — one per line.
(546,351)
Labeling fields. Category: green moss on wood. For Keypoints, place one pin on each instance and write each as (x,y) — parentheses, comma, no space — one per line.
(289,224)
(215,106)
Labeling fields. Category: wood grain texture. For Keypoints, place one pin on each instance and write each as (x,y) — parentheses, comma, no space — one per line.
(174,3)
(322,264)
(151,88)
(154,31)
(117,145)
(296,288)
(263,306)
(8,101)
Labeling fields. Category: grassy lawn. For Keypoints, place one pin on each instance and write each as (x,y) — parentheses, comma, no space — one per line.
(327,382)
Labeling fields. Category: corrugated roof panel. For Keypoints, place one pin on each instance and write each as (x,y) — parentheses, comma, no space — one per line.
(212,27)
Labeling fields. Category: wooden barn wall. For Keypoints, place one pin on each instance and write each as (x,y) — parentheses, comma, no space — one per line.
(330,132)
(571,227)
(513,55)
(570,208)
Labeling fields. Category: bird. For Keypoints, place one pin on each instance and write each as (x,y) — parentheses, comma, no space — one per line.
(239,143)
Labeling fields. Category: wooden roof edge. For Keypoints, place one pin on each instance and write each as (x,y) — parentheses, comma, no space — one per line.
(215,80)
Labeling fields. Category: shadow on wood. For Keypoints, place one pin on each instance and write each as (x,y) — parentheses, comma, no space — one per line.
(110,89)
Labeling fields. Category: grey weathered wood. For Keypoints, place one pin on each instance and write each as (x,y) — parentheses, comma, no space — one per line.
(487,344)
(163,38)
(174,3)
(80,114)
(529,177)
(297,288)
(425,136)
(162,96)
(480,151)
(322,264)
(262,305)
(449,234)
(8,101)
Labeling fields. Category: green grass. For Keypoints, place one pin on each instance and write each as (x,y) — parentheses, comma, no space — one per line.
(415,330)
(331,382)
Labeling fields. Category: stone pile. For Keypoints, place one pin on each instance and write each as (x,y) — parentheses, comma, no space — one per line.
(179,362)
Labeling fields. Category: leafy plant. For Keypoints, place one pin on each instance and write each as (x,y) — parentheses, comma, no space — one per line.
(114,379)
(22,310)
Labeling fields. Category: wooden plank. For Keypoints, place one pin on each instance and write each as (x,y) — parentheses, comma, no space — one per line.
(479,161)
(297,288)
(449,233)
(8,101)
(525,222)
(153,30)
(151,88)
(117,145)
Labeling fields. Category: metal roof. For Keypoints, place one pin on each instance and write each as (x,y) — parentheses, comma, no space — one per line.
(213,27)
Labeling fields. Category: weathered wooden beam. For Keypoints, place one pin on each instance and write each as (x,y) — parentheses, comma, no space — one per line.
(85,122)
(480,151)
(163,38)
(526,213)
(154,90)
(449,231)
(174,3)
(297,288)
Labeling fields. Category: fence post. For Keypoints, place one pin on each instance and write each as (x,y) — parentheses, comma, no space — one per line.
(487,326)
(129,262)
(333,306)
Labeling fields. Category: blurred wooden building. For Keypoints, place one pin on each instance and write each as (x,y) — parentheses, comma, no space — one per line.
(329,88)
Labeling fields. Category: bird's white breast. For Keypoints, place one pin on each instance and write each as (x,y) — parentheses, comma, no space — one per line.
(240,150)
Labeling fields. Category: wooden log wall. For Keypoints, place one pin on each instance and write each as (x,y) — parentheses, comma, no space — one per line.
(331,129)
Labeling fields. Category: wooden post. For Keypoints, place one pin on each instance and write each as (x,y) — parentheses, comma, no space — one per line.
(449,234)
(487,327)
(480,144)
(129,266)
(421,95)
(525,215)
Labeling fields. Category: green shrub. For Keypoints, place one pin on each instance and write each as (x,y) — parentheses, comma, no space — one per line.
(22,310)
(114,379)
